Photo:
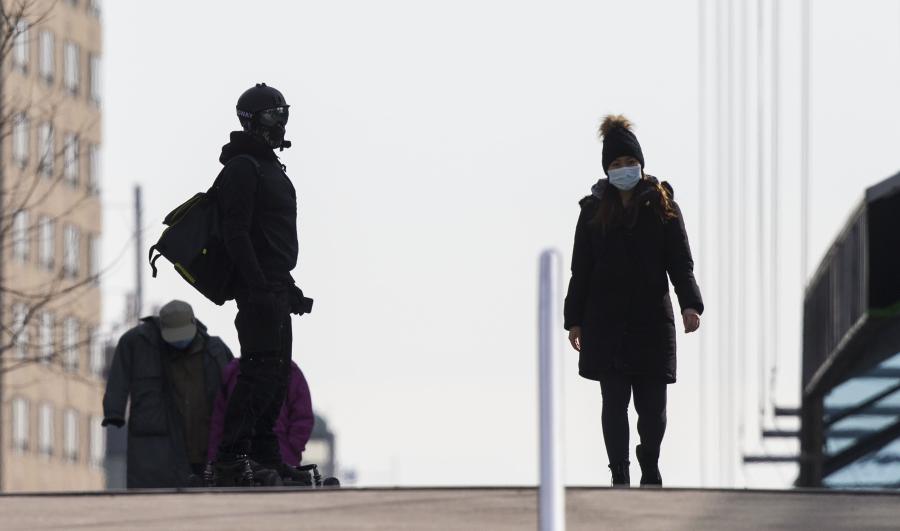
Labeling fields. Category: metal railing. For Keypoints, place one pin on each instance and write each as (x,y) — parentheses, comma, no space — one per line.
(837,296)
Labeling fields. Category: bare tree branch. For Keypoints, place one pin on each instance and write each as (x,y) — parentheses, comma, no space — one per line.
(54,295)
(28,186)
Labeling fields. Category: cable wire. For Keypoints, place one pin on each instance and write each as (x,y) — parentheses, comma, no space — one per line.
(701,181)
(721,365)
(741,330)
(774,191)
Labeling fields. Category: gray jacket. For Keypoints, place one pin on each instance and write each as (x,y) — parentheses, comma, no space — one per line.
(157,456)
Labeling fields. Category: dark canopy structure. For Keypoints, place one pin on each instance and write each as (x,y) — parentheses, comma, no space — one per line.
(850,429)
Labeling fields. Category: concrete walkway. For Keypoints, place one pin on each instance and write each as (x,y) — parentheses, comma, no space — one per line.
(451,509)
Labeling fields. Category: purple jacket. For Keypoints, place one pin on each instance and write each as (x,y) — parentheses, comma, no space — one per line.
(293,427)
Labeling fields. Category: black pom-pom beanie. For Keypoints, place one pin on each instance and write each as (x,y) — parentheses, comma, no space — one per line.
(619,141)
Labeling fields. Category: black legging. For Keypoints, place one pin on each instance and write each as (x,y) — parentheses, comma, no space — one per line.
(254,405)
(650,403)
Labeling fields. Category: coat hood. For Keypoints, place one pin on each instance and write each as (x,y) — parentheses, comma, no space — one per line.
(242,143)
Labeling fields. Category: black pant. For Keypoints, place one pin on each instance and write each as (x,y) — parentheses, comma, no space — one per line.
(264,331)
(650,403)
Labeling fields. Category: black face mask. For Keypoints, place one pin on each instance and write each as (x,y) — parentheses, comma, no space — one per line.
(269,125)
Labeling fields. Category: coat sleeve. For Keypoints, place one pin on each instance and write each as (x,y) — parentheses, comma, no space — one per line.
(582,266)
(237,195)
(217,419)
(680,264)
(118,383)
(300,419)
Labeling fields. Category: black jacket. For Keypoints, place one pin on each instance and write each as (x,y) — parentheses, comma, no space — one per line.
(619,292)
(157,456)
(259,214)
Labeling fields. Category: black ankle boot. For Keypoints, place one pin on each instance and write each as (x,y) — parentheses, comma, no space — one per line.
(241,471)
(649,462)
(620,475)
(290,476)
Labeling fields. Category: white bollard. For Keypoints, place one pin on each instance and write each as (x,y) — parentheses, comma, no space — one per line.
(552,494)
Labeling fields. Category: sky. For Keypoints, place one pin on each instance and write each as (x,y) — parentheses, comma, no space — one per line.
(438,148)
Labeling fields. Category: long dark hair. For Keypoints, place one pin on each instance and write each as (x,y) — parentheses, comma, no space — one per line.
(610,213)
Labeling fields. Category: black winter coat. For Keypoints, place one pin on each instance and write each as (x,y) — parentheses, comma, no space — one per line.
(157,456)
(259,214)
(619,293)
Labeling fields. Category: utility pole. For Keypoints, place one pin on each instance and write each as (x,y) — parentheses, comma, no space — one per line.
(117,438)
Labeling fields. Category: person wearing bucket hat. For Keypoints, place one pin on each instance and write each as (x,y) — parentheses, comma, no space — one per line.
(630,240)
(171,368)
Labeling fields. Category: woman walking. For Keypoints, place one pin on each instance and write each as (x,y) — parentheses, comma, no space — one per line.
(629,235)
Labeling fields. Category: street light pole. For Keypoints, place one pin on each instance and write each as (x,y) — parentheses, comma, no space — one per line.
(552,506)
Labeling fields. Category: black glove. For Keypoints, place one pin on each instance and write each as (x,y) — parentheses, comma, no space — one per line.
(117,422)
(299,303)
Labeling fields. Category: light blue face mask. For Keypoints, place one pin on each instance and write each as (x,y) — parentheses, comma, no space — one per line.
(625,178)
(181,345)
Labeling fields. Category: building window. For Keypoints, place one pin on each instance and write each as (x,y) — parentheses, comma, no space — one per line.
(71,250)
(71,78)
(94,257)
(98,354)
(71,348)
(20,47)
(47,63)
(20,424)
(71,159)
(98,442)
(47,242)
(46,149)
(70,435)
(95,78)
(45,430)
(20,330)
(94,169)
(20,133)
(96,7)
(20,236)
(47,336)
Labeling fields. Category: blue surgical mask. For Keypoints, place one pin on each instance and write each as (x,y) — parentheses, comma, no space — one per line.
(181,345)
(625,178)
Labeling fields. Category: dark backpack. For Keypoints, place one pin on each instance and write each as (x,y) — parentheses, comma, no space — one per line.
(193,243)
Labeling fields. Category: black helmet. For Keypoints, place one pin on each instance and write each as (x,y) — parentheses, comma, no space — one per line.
(263,112)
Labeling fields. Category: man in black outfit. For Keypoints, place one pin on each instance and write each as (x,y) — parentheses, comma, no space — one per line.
(258,206)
